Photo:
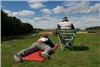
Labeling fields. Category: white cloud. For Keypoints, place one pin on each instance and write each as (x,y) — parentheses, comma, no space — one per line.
(36,4)
(72,7)
(80,7)
(46,11)
(43,22)
(70,3)
(85,21)
(26,13)
(95,8)
(58,9)
(8,12)
(23,13)
(32,1)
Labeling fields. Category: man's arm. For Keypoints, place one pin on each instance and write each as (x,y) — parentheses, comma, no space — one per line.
(50,43)
(58,27)
(72,26)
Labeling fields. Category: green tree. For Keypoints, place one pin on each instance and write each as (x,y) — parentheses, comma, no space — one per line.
(13,26)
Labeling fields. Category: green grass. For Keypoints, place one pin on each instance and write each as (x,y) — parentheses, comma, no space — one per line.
(77,58)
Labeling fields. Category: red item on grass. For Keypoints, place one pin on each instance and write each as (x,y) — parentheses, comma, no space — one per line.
(34,57)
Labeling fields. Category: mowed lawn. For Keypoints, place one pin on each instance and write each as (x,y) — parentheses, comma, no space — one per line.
(85,54)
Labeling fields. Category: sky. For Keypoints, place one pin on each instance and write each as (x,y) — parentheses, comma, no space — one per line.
(47,14)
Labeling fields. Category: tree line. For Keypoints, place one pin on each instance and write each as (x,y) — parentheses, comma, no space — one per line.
(13,26)
(93,28)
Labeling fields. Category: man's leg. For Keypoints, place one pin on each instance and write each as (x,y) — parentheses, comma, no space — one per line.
(25,52)
(28,50)
(47,49)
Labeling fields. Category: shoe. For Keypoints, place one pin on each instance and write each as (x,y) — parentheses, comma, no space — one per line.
(44,55)
(17,58)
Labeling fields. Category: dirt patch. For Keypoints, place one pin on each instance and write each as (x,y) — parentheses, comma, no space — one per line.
(49,33)
(82,32)
(85,32)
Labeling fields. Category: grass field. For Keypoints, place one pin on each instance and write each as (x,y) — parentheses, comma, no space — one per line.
(87,55)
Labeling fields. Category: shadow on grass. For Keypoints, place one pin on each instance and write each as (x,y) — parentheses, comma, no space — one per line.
(80,48)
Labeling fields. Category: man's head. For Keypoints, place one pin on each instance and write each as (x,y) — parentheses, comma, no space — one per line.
(65,19)
(45,35)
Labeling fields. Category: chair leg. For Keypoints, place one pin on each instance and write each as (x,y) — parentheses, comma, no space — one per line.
(70,46)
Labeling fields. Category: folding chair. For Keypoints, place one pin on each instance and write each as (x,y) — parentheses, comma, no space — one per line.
(66,37)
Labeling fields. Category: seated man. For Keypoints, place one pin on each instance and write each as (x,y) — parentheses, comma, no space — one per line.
(65,24)
(44,43)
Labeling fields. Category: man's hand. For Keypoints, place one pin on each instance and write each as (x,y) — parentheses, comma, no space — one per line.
(56,45)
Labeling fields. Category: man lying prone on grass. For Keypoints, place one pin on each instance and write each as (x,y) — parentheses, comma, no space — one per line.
(43,43)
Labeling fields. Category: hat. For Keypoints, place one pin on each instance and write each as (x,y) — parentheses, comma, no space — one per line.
(65,19)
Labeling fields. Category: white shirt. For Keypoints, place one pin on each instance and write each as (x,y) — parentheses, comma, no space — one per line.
(65,25)
(42,39)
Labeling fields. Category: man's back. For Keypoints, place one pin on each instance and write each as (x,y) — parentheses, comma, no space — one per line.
(65,25)
(47,41)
